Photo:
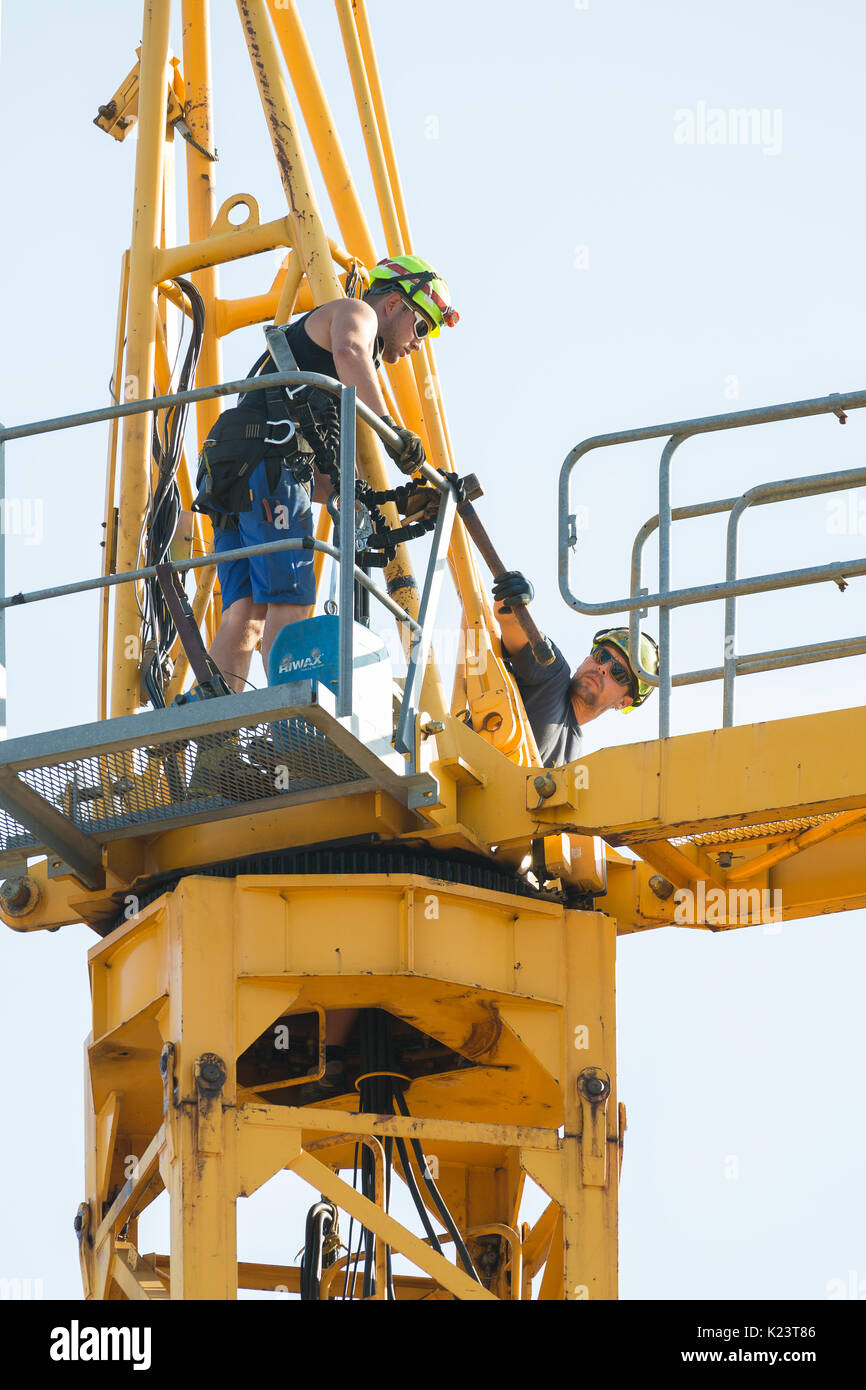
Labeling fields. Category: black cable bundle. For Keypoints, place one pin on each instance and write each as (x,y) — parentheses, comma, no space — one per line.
(158,629)
(381,1092)
(321,1223)
(375,1098)
(447,1219)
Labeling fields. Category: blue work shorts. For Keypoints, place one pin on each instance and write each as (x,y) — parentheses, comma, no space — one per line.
(282,576)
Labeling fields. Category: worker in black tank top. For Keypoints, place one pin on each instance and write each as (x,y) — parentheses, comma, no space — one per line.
(345,339)
(309,356)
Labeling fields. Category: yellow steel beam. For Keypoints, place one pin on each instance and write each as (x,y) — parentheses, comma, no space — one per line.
(676,866)
(725,777)
(467,766)
(496,697)
(396,237)
(126,1202)
(383,162)
(536,1242)
(199,1162)
(796,845)
(201,190)
(141,330)
(313,250)
(308,235)
(233,244)
(391,1232)
(287,1278)
(315,1120)
(522,988)
(344,198)
(829,877)
(135,1276)
(109,542)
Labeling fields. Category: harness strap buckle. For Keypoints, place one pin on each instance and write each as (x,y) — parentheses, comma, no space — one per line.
(280,424)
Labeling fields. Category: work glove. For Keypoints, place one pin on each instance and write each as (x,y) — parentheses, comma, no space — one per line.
(423,504)
(512,587)
(409,455)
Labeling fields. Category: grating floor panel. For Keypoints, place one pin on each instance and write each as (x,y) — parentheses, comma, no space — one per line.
(73,789)
(118,790)
(791,826)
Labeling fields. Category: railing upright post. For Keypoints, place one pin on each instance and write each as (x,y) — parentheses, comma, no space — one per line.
(347,550)
(665,584)
(729,656)
(3,513)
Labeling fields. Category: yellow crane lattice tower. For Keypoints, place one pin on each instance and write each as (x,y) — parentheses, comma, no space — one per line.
(219,936)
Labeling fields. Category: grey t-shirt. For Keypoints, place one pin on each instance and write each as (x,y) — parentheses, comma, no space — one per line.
(545,694)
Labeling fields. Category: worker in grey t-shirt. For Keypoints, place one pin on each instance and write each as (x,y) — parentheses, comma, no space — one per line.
(557,702)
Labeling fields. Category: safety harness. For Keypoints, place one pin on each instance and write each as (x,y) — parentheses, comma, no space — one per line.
(301,429)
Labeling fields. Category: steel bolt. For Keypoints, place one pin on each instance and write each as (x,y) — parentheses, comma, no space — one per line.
(545,786)
(661,887)
(19,895)
(594,1085)
(15,891)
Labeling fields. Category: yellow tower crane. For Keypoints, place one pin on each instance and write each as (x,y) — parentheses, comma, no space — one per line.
(385,880)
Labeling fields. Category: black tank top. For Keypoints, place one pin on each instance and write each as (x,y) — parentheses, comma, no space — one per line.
(308,355)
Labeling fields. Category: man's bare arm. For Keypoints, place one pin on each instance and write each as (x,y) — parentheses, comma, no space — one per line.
(514,639)
(353,331)
(510,588)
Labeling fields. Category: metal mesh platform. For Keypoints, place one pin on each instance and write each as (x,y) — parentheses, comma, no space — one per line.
(69,791)
(769,829)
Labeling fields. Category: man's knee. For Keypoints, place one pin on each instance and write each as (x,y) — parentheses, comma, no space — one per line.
(281,613)
(245,620)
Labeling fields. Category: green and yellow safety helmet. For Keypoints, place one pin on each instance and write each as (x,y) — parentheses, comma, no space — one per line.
(417,281)
(649,658)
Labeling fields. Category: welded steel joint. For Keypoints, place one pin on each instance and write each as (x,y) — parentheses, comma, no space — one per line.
(82,1224)
(169,1080)
(85,1246)
(594,1089)
(209,1074)
(594,1085)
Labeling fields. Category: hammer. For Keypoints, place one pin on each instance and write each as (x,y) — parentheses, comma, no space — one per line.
(541,648)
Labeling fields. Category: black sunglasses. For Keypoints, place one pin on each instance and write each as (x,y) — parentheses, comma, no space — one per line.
(621,674)
(422,327)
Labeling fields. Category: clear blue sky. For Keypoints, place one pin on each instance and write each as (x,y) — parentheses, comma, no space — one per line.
(608,275)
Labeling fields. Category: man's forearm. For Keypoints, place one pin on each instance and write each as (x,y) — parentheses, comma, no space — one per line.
(514,639)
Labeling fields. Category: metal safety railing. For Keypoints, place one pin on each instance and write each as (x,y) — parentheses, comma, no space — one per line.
(343,553)
(638,602)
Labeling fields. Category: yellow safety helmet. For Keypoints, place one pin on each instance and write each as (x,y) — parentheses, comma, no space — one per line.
(649,658)
(417,281)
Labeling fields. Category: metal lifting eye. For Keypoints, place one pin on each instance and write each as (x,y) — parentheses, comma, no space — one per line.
(280,424)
